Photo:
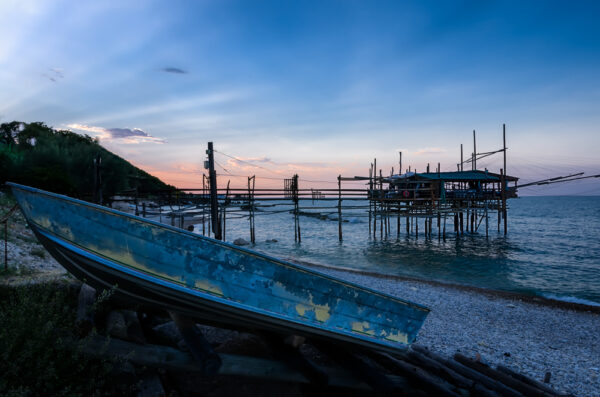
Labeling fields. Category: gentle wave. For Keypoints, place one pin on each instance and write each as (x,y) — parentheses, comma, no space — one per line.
(571,299)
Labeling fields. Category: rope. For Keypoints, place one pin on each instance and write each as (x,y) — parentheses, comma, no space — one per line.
(9,213)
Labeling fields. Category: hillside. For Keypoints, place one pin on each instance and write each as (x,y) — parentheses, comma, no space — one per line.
(63,162)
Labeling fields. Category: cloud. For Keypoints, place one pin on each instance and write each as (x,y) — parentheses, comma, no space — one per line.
(122,135)
(429,150)
(54,74)
(170,69)
(282,168)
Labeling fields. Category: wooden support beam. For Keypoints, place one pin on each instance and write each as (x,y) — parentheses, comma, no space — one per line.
(358,367)
(470,373)
(200,348)
(529,381)
(420,378)
(292,357)
(506,379)
(234,365)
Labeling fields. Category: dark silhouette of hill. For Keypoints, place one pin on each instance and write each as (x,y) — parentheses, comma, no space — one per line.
(63,162)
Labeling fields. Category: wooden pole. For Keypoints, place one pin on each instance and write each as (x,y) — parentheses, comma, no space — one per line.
(370,198)
(461,157)
(474,152)
(416,227)
(340,207)
(400,163)
(214,203)
(503,179)
(296,208)
(203,204)
(486,220)
(504,214)
(444,231)
(6,245)
(225,210)
(398,226)
(456,222)
(504,146)
(375,202)
(381,220)
(468,216)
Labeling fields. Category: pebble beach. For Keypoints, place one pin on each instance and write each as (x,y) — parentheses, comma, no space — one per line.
(531,336)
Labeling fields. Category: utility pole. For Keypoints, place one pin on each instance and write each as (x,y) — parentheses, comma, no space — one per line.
(461,157)
(214,203)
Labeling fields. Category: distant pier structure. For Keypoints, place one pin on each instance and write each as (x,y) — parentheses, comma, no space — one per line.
(461,201)
(457,201)
(432,204)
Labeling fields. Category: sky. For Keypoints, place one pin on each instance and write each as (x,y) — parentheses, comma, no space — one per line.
(317,89)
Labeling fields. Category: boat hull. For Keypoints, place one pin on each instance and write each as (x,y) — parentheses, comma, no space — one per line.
(213,281)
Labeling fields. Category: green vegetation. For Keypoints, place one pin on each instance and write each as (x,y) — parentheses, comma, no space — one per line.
(63,162)
(38,352)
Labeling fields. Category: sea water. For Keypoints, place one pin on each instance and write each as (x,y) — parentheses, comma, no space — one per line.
(552,248)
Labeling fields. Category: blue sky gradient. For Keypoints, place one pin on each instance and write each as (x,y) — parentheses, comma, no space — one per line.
(315,88)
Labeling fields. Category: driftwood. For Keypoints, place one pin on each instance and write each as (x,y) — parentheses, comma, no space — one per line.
(415,371)
(439,369)
(529,381)
(358,367)
(470,373)
(169,358)
(508,380)
(418,376)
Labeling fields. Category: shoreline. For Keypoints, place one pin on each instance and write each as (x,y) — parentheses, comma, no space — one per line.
(533,299)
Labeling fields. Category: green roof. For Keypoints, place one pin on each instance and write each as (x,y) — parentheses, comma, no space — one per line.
(459,176)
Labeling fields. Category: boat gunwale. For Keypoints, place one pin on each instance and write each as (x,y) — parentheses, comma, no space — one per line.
(223,244)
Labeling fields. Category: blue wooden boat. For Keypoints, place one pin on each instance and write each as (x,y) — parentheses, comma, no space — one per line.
(210,280)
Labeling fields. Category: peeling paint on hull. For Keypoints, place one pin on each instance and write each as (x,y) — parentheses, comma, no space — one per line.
(205,278)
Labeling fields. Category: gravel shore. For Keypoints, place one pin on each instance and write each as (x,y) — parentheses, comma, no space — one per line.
(530,336)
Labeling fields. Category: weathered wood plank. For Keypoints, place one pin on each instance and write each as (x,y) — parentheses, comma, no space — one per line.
(509,381)
(357,367)
(439,369)
(530,381)
(421,378)
(470,373)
